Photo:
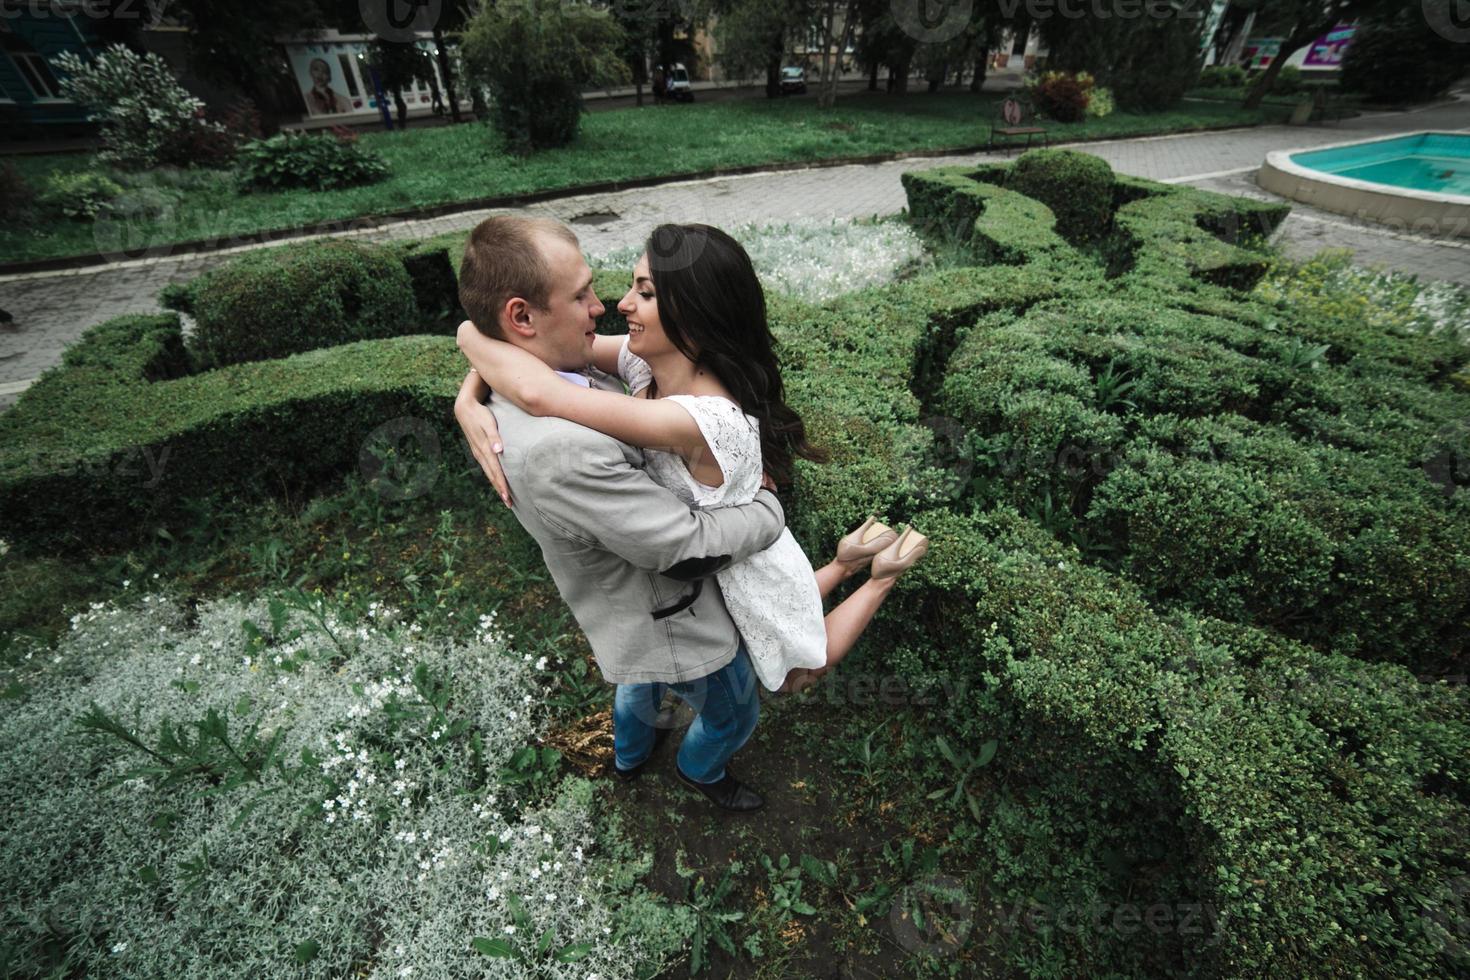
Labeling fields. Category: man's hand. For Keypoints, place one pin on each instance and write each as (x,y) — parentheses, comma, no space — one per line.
(767,483)
(478,423)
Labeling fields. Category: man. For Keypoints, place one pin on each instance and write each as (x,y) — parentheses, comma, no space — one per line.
(633,562)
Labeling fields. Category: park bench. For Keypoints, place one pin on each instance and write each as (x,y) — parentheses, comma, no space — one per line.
(1013,115)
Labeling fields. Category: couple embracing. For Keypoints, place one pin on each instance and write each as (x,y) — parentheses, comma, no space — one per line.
(644,466)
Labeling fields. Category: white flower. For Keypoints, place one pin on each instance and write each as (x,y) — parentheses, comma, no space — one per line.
(510,930)
(120,947)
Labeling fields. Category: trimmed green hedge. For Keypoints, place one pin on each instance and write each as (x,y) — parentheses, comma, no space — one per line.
(270,303)
(1187,470)
(113,442)
(1001,225)
(1155,758)
(1344,550)
(1159,230)
(1078,187)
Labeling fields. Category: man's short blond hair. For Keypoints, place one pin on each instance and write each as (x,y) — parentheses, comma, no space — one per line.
(502,261)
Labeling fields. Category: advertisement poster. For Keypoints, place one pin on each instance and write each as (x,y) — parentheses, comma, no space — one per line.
(1259,51)
(328,75)
(1327,50)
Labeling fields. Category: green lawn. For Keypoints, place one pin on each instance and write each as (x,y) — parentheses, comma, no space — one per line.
(444,165)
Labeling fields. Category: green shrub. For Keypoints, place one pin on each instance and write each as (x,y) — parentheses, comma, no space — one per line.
(1289,80)
(81,196)
(147,117)
(1078,187)
(996,225)
(1189,761)
(435,287)
(1160,63)
(1059,95)
(99,434)
(1340,549)
(1175,228)
(1222,76)
(536,58)
(279,301)
(1403,58)
(321,163)
(1100,103)
(16,195)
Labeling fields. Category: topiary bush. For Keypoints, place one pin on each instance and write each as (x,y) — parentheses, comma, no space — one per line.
(280,301)
(1078,187)
(321,163)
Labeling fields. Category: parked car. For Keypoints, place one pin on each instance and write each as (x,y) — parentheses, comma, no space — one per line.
(676,82)
(793,79)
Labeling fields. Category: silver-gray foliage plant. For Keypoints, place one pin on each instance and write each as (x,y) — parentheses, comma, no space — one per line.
(374,861)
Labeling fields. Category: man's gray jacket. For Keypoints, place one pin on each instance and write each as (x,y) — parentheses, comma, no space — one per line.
(633,562)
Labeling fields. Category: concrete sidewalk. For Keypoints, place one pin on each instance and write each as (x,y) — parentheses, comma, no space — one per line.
(52,309)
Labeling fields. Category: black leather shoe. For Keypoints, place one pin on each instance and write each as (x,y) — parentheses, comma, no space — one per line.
(727,794)
(660,735)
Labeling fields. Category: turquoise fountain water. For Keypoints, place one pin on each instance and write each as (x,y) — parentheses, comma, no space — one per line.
(1437,162)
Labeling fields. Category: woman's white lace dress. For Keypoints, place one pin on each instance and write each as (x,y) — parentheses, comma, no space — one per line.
(772,595)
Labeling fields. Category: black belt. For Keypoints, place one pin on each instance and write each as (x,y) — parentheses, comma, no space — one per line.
(684,603)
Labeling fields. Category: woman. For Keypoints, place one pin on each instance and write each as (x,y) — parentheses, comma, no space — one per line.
(709,407)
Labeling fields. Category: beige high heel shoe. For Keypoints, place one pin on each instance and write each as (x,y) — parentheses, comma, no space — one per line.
(865,542)
(893,560)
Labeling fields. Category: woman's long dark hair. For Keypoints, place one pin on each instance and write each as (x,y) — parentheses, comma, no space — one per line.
(714,313)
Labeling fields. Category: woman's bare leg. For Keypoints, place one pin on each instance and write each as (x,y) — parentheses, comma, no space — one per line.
(833,574)
(844,625)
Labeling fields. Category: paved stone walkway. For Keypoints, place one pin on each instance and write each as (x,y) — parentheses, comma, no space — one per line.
(52,309)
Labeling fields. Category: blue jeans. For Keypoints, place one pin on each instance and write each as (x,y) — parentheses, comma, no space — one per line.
(726,705)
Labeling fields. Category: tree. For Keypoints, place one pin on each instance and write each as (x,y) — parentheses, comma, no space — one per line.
(755,35)
(535,57)
(1402,58)
(836,20)
(637,44)
(399,65)
(235,44)
(1148,61)
(449,21)
(1302,22)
